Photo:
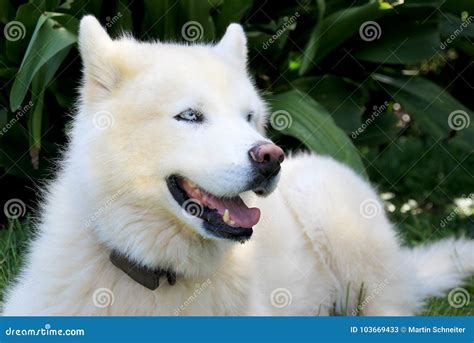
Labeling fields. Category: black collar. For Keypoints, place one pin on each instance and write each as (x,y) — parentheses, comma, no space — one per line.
(149,278)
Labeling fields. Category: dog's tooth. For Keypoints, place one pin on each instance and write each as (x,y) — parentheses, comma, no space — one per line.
(226,216)
(190,184)
(232,223)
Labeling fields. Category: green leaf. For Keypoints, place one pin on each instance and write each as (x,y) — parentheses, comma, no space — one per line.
(161,19)
(343,98)
(431,107)
(412,42)
(54,32)
(26,17)
(198,21)
(337,28)
(308,121)
(453,26)
(7,12)
(38,86)
(314,39)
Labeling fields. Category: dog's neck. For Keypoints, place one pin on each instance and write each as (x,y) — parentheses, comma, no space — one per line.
(149,278)
(155,239)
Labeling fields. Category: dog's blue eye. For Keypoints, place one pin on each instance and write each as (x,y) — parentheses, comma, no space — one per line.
(190,115)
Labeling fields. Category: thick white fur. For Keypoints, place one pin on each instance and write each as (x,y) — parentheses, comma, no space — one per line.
(311,249)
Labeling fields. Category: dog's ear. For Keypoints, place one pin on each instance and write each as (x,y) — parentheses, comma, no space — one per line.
(98,53)
(234,44)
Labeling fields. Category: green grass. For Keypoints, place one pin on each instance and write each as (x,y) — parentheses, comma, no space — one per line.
(13,241)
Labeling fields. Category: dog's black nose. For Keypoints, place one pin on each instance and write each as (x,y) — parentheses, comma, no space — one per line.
(267,158)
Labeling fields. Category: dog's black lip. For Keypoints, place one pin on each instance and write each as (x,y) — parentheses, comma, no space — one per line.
(212,220)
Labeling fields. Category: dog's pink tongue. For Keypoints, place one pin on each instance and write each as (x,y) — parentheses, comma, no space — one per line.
(239,212)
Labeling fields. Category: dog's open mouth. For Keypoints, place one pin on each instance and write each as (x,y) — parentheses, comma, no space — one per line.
(226,218)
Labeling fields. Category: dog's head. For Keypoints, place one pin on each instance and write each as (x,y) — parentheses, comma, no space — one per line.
(182,126)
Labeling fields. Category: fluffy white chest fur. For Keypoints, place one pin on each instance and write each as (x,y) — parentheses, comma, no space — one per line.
(322,245)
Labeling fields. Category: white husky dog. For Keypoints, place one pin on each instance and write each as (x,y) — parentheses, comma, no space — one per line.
(150,206)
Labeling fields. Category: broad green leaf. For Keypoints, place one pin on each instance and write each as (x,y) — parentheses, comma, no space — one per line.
(296,114)
(432,107)
(25,22)
(344,99)
(7,12)
(339,27)
(464,46)
(454,28)
(54,32)
(161,19)
(412,42)
(197,24)
(38,87)
(314,39)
